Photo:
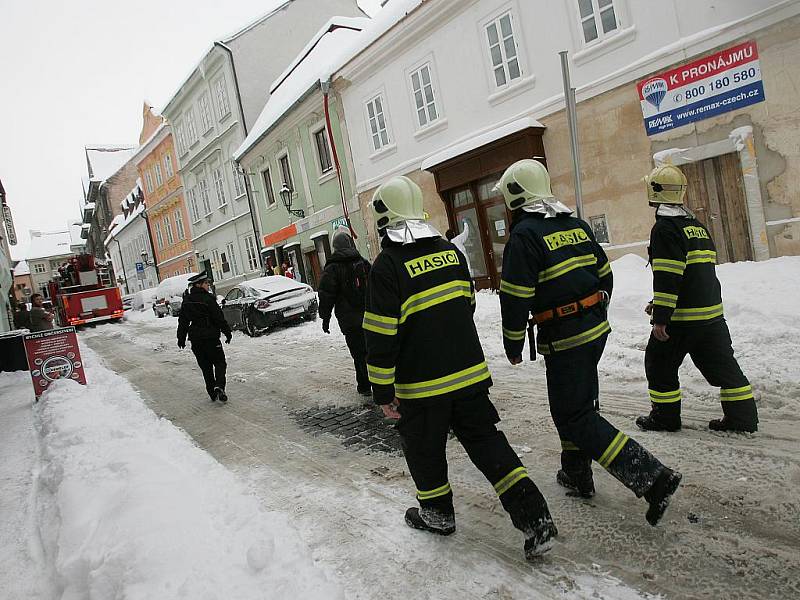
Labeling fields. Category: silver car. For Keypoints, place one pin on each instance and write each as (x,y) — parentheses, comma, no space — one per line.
(256,305)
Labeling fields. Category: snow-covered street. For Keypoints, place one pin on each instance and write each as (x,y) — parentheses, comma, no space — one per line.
(109,501)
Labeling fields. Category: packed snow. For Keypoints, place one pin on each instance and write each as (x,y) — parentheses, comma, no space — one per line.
(109,500)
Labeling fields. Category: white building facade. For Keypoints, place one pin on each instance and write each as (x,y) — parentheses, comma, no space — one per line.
(130,248)
(210,116)
(456,90)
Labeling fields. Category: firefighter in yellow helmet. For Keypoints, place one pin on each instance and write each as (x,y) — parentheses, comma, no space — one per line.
(554,270)
(687,314)
(427,369)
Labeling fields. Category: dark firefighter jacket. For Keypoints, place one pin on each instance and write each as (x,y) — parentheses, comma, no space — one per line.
(201,317)
(548,263)
(421,338)
(342,289)
(686,290)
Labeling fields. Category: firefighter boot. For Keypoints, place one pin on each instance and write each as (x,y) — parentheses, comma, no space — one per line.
(579,483)
(529,513)
(726,424)
(435,520)
(660,419)
(740,416)
(575,474)
(659,495)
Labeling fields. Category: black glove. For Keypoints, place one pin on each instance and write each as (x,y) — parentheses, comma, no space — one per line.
(326,325)
(181,344)
(228,337)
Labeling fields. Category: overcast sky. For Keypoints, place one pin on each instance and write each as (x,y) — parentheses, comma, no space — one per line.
(75,73)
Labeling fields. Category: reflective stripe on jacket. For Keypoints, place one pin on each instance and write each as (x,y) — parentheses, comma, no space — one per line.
(686,290)
(421,339)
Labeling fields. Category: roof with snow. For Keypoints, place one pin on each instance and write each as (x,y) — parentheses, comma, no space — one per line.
(105,161)
(133,202)
(46,244)
(22,268)
(326,52)
(224,40)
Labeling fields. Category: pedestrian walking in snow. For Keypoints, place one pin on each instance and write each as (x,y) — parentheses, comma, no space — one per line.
(201,319)
(342,290)
(428,369)
(687,314)
(554,269)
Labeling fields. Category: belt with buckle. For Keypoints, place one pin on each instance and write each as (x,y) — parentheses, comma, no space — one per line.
(573,308)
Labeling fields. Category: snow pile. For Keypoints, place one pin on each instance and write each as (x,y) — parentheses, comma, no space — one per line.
(142,513)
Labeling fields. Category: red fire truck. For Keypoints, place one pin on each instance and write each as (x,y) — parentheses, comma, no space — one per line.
(81,295)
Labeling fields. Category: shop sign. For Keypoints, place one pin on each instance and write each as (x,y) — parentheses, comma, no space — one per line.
(9,220)
(339,222)
(280,235)
(719,83)
(53,354)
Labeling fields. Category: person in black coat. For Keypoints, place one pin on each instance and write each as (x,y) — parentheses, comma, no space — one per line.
(202,320)
(342,289)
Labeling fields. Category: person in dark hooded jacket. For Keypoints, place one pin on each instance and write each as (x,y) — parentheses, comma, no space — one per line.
(342,290)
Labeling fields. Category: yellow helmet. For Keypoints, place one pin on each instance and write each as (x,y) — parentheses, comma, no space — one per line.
(525,182)
(666,184)
(399,199)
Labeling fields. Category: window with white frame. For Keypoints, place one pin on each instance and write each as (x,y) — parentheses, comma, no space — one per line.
(159,236)
(424,96)
(168,229)
(39,268)
(191,130)
(159,177)
(216,264)
(221,91)
(231,252)
(286,171)
(269,193)
(324,161)
(148,180)
(205,113)
(193,205)
(598,19)
(252,253)
(168,167)
(219,186)
(503,50)
(378,130)
(238,180)
(179,228)
(180,138)
(204,196)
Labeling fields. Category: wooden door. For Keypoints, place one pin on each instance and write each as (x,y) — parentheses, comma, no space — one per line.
(716,196)
(316,270)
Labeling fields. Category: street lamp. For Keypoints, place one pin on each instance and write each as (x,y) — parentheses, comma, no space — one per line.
(286,197)
(146,259)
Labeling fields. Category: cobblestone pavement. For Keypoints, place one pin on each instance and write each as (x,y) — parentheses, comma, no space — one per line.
(359,427)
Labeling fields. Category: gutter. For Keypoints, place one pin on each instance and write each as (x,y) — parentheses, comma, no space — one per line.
(248,192)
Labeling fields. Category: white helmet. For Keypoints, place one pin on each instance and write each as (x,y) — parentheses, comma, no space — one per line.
(399,199)
(524,183)
(666,184)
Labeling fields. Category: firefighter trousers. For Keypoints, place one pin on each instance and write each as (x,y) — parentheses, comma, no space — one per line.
(711,351)
(573,391)
(424,426)
(358,350)
(211,360)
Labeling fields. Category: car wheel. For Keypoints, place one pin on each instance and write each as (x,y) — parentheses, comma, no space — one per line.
(249,328)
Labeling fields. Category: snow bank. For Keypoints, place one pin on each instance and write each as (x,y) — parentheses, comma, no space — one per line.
(141,513)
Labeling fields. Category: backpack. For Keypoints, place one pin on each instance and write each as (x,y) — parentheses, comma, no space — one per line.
(355,288)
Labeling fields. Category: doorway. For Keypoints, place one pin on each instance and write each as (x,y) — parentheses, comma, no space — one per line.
(716,195)
(483,210)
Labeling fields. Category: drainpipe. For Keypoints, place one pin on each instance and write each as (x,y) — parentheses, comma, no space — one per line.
(326,88)
(572,121)
(247,191)
(122,263)
(143,214)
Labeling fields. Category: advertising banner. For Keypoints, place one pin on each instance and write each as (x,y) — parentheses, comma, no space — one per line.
(53,354)
(707,87)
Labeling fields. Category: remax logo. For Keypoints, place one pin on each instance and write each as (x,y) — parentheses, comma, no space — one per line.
(654,91)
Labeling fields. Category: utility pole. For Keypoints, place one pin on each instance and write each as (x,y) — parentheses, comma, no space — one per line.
(572,120)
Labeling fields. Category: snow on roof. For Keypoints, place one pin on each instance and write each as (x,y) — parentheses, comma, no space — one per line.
(22,268)
(120,222)
(471,143)
(326,51)
(105,161)
(45,244)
